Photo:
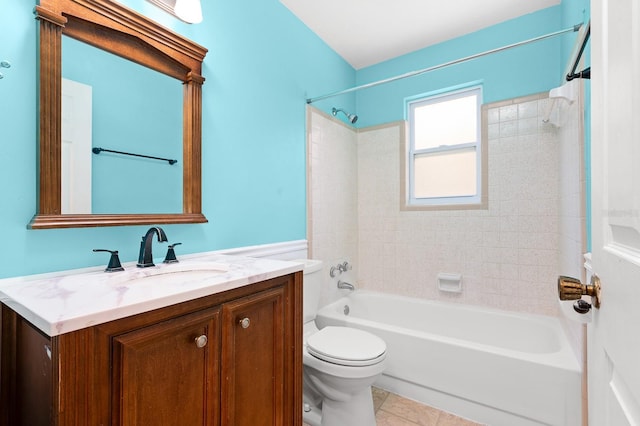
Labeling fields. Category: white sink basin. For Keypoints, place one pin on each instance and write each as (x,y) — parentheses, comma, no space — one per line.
(174,273)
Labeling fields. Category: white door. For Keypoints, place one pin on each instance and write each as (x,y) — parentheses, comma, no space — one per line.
(614,334)
(76,148)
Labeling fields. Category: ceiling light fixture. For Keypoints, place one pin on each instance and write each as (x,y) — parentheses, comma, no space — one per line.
(189,11)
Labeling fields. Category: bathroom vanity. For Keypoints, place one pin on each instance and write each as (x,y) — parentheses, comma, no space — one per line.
(211,341)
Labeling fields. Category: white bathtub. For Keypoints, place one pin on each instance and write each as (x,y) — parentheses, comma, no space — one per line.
(493,367)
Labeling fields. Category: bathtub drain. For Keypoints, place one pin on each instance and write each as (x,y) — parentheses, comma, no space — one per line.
(346,309)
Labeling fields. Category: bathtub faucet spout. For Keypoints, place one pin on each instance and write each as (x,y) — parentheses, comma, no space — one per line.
(344,285)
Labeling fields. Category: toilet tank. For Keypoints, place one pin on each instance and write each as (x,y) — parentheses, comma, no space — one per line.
(311,287)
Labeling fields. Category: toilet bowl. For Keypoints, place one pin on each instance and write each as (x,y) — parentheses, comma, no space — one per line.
(340,365)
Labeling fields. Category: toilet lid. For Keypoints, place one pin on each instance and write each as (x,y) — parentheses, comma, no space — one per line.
(346,346)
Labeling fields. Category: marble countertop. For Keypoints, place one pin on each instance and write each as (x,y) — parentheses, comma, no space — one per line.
(61,302)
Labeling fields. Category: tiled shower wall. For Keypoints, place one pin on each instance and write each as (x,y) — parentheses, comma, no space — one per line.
(332,197)
(508,255)
(572,217)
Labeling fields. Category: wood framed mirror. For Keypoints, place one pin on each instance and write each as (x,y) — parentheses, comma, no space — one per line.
(117,29)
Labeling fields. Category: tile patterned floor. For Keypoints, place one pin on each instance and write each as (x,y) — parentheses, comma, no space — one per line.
(394,410)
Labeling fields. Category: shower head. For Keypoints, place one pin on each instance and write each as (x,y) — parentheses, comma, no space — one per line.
(351,117)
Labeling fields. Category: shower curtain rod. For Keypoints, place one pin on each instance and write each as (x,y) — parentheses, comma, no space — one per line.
(576,55)
(443,65)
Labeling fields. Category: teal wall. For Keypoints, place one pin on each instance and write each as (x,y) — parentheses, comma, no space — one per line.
(573,12)
(261,66)
(521,71)
(580,10)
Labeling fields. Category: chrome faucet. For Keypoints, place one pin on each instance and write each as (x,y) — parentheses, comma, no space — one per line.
(339,269)
(345,285)
(146,257)
(344,266)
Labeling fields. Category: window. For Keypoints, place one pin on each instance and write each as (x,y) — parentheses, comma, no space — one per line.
(445,151)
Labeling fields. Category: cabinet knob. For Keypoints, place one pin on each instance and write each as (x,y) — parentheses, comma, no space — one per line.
(245,322)
(201,341)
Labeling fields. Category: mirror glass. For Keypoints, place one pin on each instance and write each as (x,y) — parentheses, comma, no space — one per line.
(115,104)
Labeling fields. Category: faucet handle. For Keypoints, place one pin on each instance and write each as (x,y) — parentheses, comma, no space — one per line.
(114,261)
(345,266)
(171,254)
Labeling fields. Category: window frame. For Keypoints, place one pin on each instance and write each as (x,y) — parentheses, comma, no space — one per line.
(476,201)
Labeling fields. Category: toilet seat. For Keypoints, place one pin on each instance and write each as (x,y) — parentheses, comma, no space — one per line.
(346,346)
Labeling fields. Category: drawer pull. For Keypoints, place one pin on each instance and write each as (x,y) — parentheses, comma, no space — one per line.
(245,322)
(201,341)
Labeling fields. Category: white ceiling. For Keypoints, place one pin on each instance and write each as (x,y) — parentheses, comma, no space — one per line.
(366,32)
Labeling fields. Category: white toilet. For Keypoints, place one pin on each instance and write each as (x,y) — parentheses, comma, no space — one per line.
(340,364)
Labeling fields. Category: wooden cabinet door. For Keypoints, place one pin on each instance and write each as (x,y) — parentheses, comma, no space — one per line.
(253,356)
(168,374)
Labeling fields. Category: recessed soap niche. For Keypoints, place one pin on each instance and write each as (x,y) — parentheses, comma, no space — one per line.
(450,283)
